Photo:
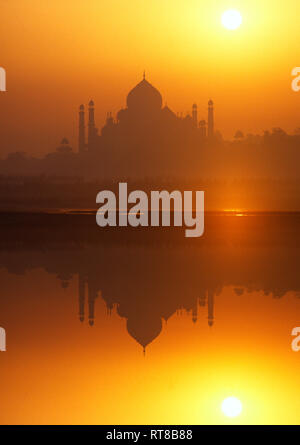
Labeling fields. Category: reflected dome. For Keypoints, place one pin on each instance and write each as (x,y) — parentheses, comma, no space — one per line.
(144,330)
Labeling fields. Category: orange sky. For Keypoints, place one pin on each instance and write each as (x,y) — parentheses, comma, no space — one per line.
(61,53)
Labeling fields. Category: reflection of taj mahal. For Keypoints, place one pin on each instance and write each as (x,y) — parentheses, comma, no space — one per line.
(144,120)
(150,278)
(144,324)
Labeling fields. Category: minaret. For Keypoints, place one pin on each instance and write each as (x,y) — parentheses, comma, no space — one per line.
(81,136)
(91,128)
(202,128)
(210,307)
(109,118)
(81,285)
(210,119)
(195,115)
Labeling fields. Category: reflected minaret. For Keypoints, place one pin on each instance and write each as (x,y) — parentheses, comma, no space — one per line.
(109,308)
(195,115)
(210,119)
(195,312)
(210,307)
(81,288)
(81,136)
(91,302)
(91,127)
(202,299)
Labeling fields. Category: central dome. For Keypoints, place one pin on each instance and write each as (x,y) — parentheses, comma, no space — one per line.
(144,97)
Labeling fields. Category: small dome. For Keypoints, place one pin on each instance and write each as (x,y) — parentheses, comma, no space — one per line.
(144,97)
(168,113)
(81,108)
(64,148)
(188,119)
(210,102)
(121,115)
(91,103)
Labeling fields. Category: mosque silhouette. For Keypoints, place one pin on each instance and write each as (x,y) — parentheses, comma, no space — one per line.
(144,121)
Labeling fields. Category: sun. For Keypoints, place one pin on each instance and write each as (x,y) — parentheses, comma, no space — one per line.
(231,19)
(232,407)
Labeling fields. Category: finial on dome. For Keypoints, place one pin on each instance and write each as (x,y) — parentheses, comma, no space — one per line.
(144,75)
(144,97)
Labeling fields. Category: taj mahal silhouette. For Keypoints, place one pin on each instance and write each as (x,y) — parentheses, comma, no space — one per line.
(144,122)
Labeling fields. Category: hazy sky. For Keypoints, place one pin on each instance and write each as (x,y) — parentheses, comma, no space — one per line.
(60,54)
